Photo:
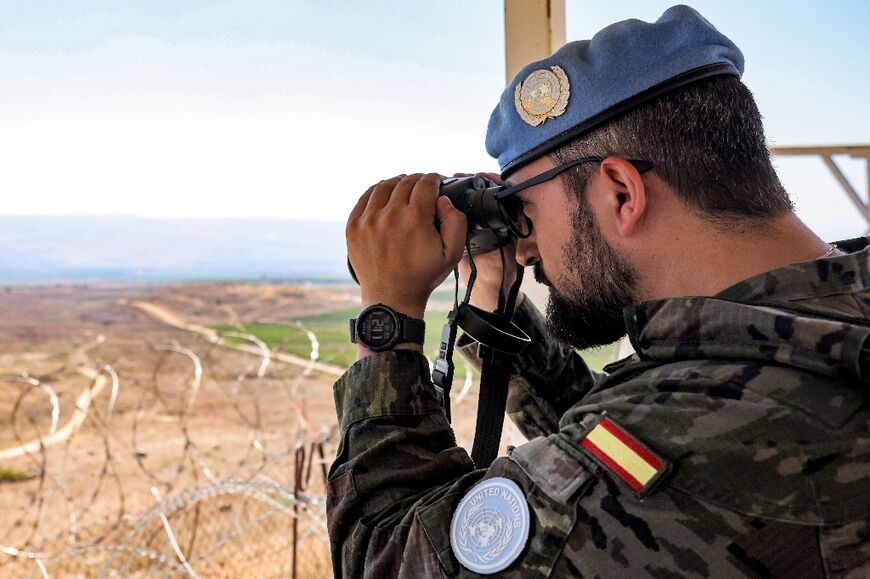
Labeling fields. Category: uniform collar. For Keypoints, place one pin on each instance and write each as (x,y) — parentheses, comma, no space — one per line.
(776,316)
(808,279)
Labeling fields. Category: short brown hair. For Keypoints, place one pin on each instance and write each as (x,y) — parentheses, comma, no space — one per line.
(706,141)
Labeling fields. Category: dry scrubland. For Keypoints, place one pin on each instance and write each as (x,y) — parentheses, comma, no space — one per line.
(144,431)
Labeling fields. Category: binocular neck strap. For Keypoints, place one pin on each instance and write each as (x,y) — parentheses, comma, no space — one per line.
(495,374)
(499,340)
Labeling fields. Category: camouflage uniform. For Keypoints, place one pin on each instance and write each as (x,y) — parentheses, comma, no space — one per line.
(757,398)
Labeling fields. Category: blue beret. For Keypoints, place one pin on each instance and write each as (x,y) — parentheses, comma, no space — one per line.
(588,82)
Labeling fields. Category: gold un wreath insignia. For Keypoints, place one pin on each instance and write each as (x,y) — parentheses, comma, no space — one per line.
(543,95)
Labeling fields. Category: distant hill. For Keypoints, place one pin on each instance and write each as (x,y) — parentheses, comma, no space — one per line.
(123,248)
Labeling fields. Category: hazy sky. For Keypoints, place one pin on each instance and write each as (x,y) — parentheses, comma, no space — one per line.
(291,109)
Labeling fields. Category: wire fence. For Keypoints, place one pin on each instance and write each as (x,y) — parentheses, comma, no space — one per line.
(207,463)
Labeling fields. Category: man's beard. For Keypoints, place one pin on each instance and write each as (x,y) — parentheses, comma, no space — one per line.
(586,310)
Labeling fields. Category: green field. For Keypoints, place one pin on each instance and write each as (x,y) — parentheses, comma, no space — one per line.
(332,333)
(331,330)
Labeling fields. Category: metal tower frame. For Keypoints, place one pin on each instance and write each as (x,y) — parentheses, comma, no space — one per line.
(827,152)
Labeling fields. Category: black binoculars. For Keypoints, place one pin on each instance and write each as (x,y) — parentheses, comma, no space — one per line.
(493,221)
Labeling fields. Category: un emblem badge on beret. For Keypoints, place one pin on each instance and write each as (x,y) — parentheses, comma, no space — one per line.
(491,526)
(543,95)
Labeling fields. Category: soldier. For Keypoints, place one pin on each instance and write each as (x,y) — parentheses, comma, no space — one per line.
(733,443)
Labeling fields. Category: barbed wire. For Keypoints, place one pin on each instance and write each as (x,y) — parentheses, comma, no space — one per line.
(194,456)
(231,487)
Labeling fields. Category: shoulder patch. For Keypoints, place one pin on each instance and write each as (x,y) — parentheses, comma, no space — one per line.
(490,526)
(625,456)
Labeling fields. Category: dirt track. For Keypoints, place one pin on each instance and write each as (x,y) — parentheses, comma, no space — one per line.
(165,315)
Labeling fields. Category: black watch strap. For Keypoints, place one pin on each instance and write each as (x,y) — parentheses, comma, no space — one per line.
(407,329)
(413,330)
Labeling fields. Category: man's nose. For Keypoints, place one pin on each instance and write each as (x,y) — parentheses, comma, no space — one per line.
(527,251)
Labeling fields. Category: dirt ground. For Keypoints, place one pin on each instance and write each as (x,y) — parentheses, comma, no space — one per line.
(129,446)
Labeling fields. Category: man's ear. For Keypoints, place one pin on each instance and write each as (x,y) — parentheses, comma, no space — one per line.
(626,194)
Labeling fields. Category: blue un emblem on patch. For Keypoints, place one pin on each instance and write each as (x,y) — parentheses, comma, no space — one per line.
(491,526)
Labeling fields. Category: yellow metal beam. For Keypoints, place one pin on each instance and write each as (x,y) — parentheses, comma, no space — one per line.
(533,29)
(853,150)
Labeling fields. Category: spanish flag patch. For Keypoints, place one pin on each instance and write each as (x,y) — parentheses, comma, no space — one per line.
(625,456)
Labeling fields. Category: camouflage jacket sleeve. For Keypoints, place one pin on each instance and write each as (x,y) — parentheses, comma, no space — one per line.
(548,378)
(397,453)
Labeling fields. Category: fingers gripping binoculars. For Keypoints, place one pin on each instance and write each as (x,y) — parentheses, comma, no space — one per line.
(493,220)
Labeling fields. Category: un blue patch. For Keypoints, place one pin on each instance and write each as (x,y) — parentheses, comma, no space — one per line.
(491,526)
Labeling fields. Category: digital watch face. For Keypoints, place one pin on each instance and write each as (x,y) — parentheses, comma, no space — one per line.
(378,328)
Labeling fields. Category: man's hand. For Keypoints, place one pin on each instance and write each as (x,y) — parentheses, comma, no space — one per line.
(486,288)
(394,246)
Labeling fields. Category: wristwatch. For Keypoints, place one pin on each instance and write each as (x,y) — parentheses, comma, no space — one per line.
(380,327)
